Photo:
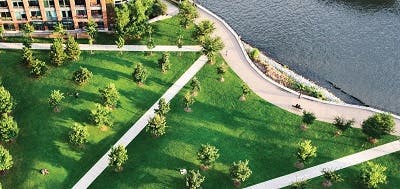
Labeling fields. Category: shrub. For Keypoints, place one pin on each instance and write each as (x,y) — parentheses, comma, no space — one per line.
(245,92)
(378,125)
(39,68)
(55,98)
(299,185)
(82,76)
(372,175)
(332,176)
(221,70)
(101,116)
(164,62)
(57,54)
(78,135)
(27,56)
(163,107)
(308,117)
(194,179)
(28,29)
(140,74)
(240,171)
(6,101)
(188,100)
(306,151)
(255,54)
(158,8)
(343,124)
(109,95)
(195,85)
(120,43)
(157,125)
(8,128)
(6,160)
(117,157)
(207,155)
(72,49)
(1,34)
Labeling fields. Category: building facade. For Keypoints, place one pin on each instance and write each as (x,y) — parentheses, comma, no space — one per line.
(44,14)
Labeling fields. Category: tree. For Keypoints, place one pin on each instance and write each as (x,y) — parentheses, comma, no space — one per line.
(305,151)
(331,177)
(195,85)
(38,68)
(117,157)
(27,56)
(372,175)
(109,95)
(120,43)
(82,76)
(207,155)
(1,31)
(78,135)
(221,70)
(57,54)
(121,19)
(6,160)
(55,99)
(6,101)
(28,29)
(203,30)
(91,30)
(299,185)
(27,42)
(157,125)
(140,74)
(245,92)
(211,47)
(59,30)
(72,49)
(378,125)
(164,62)
(8,128)
(179,41)
(150,44)
(194,179)
(158,8)
(163,107)
(342,124)
(187,13)
(101,116)
(188,100)
(308,118)
(240,171)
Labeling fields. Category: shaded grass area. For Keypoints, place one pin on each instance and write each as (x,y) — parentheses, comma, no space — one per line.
(352,179)
(165,34)
(42,142)
(255,130)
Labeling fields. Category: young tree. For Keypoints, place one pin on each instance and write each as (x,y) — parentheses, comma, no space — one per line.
(38,68)
(140,74)
(195,85)
(101,116)
(157,125)
(120,43)
(6,160)
(372,175)
(91,30)
(221,70)
(194,179)
(188,100)
(59,30)
(204,29)
(163,107)
(82,76)
(342,124)
(122,19)
(1,31)
(28,29)
(78,135)
(187,13)
(331,177)
(179,41)
(109,95)
(378,125)
(117,157)
(245,92)
(240,171)
(27,42)
(57,54)
(72,49)
(6,101)
(164,62)
(308,119)
(207,155)
(27,56)
(305,152)
(211,47)
(150,44)
(8,128)
(55,99)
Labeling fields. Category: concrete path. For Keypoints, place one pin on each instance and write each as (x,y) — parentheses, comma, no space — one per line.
(102,164)
(274,93)
(86,47)
(337,164)
(172,10)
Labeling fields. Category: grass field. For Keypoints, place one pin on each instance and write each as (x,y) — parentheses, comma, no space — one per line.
(255,130)
(42,142)
(165,34)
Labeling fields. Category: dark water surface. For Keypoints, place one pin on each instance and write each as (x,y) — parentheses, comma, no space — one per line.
(351,47)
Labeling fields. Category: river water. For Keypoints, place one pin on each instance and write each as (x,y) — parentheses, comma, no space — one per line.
(350,47)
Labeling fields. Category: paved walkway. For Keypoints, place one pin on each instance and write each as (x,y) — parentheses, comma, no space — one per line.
(102,164)
(337,164)
(86,47)
(274,93)
(172,10)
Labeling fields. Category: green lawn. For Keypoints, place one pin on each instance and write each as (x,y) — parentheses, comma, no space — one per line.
(165,34)
(42,142)
(255,130)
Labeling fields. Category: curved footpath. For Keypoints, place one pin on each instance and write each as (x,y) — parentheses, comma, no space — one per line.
(274,93)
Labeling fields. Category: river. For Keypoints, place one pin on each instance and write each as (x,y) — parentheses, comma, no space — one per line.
(350,47)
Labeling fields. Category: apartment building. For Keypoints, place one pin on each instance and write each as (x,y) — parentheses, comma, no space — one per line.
(44,14)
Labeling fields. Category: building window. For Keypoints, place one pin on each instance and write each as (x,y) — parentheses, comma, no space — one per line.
(51,15)
(9,27)
(18,4)
(68,24)
(48,3)
(95,3)
(51,25)
(3,4)
(97,14)
(64,3)
(20,15)
(38,25)
(33,3)
(5,16)
(66,14)
(36,15)
(80,2)
(81,14)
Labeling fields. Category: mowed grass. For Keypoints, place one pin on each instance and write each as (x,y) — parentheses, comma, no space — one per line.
(165,34)
(43,138)
(255,130)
